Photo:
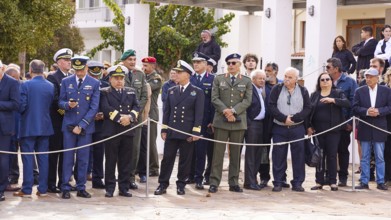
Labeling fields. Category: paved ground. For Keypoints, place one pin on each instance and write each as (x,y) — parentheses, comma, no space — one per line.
(264,204)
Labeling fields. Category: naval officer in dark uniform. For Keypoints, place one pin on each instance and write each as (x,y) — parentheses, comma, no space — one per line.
(63,60)
(184,111)
(120,108)
(79,97)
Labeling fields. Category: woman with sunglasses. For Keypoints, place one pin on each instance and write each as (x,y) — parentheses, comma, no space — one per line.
(326,112)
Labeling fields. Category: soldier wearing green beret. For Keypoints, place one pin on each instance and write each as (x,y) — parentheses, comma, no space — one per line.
(231,96)
(135,79)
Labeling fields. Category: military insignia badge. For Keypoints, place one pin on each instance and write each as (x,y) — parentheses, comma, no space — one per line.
(87,98)
(119,69)
(206,91)
(178,64)
(171,92)
(193,93)
(69,52)
(70,86)
(96,69)
(77,62)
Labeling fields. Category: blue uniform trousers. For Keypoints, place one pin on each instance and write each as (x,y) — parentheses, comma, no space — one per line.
(37,144)
(280,152)
(201,146)
(82,155)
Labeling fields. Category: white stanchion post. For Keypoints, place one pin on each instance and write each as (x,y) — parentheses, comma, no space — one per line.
(147,164)
(353,151)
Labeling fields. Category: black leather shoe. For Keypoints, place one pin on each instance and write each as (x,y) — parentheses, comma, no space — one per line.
(362,186)
(190,181)
(235,189)
(143,179)
(199,186)
(277,189)
(2,197)
(252,187)
(160,190)
(124,194)
(285,185)
(206,182)
(342,183)
(263,183)
(317,187)
(297,188)
(53,189)
(180,191)
(98,185)
(382,186)
(213,189)
(83,194)
(66,195)
(133,185)
(109,194)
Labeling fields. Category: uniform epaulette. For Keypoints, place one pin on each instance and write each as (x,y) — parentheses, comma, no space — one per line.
(172,88)
(105,89)
(129,89)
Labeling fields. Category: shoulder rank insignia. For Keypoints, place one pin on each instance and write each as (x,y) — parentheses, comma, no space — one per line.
(193,93)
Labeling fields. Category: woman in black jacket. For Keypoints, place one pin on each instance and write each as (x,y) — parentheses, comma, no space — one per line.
(326,112)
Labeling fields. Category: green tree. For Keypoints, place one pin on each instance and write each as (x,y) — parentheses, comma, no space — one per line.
(174,31)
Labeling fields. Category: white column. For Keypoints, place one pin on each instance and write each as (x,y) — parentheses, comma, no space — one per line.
(320,33)
(137,31)
(277,33)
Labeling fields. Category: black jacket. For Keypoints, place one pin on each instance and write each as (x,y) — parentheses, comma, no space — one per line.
(211,49)
(365,53)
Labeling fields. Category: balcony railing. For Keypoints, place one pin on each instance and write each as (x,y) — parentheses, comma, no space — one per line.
(94,15)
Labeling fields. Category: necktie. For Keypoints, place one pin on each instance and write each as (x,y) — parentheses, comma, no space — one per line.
(182,88)
(80,82)
(119,91)
(383,47)
(199,78)
(232,80)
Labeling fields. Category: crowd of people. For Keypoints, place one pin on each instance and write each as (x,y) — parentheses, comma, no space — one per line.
(83,101)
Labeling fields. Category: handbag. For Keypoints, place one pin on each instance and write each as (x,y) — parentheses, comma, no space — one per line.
(313,152)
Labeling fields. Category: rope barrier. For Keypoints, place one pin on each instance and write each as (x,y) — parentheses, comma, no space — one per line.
(380,129)
(79,147)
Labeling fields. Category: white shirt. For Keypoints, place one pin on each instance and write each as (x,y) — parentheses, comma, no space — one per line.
(372,95)
(378,52)
(202,75)
(184,87)
(261,115)
(77,79)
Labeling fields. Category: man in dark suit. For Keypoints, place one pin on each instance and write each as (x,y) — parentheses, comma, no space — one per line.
(365,49)
(183,111)
(63,60)
(79,97)
(204,81)
(9,103)
(35,127)
(120,108)
(372,103)
(254,133)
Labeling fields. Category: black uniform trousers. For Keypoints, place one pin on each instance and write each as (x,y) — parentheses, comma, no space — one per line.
(209,155)
(98,152)
(153,157)
(280,152)
(253,155)
(55,165)
(118,152)
(5,142)
(329,143)
(171,147)
(343,155)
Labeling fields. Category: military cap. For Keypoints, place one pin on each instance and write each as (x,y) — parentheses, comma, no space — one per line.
(79,62)
(95,67)
(211,62)
(149,60)
(128,53)
(198,56)
(183,66)
(117,70)
(63,53)
(371,72)
(232,56)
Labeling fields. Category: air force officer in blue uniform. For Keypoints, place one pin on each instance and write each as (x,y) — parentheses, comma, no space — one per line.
(35,128)
(184,111)
(79,97)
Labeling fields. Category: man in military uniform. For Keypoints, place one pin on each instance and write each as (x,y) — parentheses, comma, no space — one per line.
(155,81)
(231,96)
(63,60)
(183,111)
(171,82)
(135,79)
(120,108)
(79,97)
(203,80)
(97,151)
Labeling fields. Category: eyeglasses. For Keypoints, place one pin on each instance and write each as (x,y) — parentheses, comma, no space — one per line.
(325,79)
(289,99)
(231,63)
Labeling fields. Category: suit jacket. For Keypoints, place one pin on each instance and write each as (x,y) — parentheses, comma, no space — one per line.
(183,112)
(136,80)
(255,107)
(99,124)
(361,104)
(206,86)
(113,104)
(237,96)
(155,81)
(365,53)
(9,103)
(88,97)
(36,98)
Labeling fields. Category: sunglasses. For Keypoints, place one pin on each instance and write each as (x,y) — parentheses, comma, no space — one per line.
(231,63)
(289,99)
(328,67)
(325,79)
